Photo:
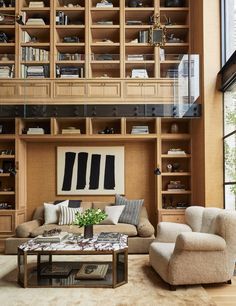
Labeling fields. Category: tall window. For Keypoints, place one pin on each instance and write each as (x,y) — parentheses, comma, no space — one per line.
(229,88)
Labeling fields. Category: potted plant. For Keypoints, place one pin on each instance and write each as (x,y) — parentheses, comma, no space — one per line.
(88,218)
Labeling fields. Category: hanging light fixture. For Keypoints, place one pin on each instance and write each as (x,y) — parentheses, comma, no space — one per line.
(9,18)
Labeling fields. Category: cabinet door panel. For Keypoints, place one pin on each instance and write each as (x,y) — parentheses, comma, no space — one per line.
(173,218)
(8,91)
(166,91)
(133,90)
(6,223)
(104,90)
(66,89)
(35,90)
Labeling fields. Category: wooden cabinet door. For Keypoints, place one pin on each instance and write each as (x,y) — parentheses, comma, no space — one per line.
(69,90)
(104,90)
(140,90)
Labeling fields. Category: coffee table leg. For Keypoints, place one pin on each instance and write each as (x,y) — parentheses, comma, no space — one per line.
(22,268)
(120,268)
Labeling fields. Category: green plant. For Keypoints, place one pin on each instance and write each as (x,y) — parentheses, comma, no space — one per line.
(89,217)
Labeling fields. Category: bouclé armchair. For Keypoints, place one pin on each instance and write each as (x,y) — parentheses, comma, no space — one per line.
(201,251)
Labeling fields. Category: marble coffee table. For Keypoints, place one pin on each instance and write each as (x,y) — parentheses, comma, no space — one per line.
(50,271)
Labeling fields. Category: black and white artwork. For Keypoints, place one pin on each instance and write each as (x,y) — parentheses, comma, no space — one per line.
(90,170)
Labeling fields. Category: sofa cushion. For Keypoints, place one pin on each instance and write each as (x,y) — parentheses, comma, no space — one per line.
(24,230)
(145,228)
(51,212)
(126,229)
(131,211)
(101,205)
(113,214)
(67,215)
(72,203)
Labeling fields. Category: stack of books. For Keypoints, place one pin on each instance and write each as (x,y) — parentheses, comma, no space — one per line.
(35,21)
(92,271)
(109,237)
(70,56)
(70,72)
(51,239)
(140,129)
(25,37)
(40,71)
(135,57)
(37,130)
(176,151)
(175,186)
(36,4)
(6,71)
(70,130)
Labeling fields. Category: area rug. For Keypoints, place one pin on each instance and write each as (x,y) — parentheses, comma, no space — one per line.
(144,288)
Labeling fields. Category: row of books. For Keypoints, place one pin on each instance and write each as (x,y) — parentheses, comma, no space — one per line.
(7,71)
(69,72)
(34,54)
(40,71)
(70,56)
(175,186)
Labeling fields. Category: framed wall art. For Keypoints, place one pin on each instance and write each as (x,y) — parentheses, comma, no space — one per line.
(90,170)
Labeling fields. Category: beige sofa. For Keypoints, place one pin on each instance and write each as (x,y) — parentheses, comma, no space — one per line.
(199,252)
(139,237)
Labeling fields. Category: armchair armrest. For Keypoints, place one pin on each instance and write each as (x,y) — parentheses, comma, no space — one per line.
(24,230)
(168,231)
(199,242)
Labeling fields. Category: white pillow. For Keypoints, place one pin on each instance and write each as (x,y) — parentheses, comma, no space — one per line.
(67,214)
(113,213)
(51,212)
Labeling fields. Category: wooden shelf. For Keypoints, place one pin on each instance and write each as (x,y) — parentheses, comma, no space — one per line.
(176,173)
(7,156)
(176,192)
(7,193)
(4,174)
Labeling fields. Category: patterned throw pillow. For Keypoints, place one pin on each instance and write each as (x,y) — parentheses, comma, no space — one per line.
(113,214)
(131,212)
(67,215)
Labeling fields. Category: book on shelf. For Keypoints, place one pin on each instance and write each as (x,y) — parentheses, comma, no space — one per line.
(37,71)
(176,189)
(143,36)
(134,22)
(25,37)
(35,21)
(6,71)
(70,131)
(70,72)
(105,22)
(92,271)
(139,73)
(34,54)
(176,151)
(162,54)
(140,129)
(109,237)
(32,131)
(51,239)
(135,57)
(55,269)
(33,4)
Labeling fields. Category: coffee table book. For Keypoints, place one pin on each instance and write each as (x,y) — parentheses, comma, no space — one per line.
(109,237)
(55,269)
(51,239)
(92,271)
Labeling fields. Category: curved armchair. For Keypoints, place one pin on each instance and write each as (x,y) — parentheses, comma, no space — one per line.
(199,252)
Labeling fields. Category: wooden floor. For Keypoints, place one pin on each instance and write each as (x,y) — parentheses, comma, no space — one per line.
(223,294)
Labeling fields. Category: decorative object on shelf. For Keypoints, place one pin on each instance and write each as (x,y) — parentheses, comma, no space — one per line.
(92,271)
(157,171)
(176,151)
(3,36)
(107,130)
(175,186)
(174,128)
(135,3)
(88,218)
(10,18)
(5,205)
(105,166)
(175,167)
(172,39)
(174,3)
(104,3)
(169,167)
(139,73)
(157,32)
(71,39)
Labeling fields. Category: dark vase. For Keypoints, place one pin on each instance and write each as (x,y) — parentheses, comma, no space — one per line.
(174,3)
(88,231)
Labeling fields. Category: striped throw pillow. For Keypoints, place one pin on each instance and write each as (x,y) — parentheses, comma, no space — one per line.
(67,215)
(131,212)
